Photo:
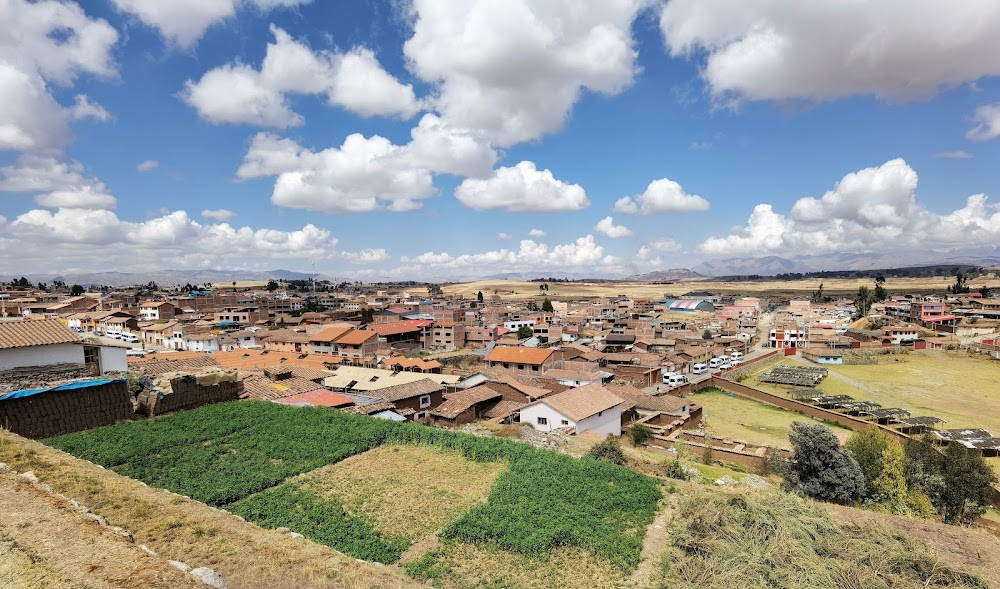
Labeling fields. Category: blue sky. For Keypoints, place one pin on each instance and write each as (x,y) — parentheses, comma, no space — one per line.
(284,133)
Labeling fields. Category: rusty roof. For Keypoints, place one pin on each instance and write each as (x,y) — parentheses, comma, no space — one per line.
(394,327)
(461,401)
(317,398)
(262,388)
(24,334)
(406,390)
(518,355)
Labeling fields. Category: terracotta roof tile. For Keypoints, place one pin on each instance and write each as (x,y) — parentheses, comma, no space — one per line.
(356,337)
(407,390)
(583,402)
(394,328)
(518,355)
(317,398)
(23,334)
(463,400)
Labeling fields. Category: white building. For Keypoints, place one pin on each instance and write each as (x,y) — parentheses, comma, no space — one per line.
(588,408)
(202,342)
(28,344)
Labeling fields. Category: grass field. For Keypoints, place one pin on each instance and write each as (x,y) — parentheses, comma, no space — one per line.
(405,491)
(745,419)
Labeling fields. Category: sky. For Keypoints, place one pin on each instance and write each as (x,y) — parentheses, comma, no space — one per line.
(436,139)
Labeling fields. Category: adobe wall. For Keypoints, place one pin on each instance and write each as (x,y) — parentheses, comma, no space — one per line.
(187,393)
(61,412)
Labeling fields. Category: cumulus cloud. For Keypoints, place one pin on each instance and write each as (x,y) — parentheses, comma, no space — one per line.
(827,49)
(147,166)
(67,238)
(661,196)
(238,93)
(366,256)
(521,188)
(56,184)
(607,228)
(537,233)
(184,22)
(583,253)
(515,69)
(48,43)
(504,236)
(872,209)
(987,120)
(218,214)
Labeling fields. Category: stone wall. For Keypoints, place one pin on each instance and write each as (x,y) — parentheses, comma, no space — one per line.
(57,412)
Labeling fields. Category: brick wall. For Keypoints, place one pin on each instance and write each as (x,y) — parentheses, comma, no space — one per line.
(60,412)
(186,393)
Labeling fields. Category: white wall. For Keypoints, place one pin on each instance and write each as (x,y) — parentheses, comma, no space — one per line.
(211,345)
(113,359)
(41,356)
(607,423)
(530,415)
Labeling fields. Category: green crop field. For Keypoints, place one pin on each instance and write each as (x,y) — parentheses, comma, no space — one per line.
(238,456)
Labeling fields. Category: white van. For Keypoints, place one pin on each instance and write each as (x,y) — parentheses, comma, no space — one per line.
(677,380)
(714,363)
(724,361)
(699,368)
(130,338)
(736,356)
(135,352)
(667,376)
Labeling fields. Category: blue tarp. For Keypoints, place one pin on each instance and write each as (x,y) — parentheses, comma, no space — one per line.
(86,384)
(225,323)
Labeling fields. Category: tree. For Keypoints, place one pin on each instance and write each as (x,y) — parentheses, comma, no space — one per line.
(547,305)
(889,488)
(272,285)
(524,332)
(867,447)
(609,450)
(821,469)
(479,296)
(984,291)
(76,291)
(817,295)
(968,485)
(880,293)
(959,287)
(707,334)
(863,302)
(640,434)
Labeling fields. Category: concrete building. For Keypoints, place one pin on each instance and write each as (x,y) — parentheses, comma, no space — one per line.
(589,408)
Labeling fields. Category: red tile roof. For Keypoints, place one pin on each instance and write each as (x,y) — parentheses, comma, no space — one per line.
(518,355)
(461,401)
(356,337)
(582,402)
(23,334)
(394,327)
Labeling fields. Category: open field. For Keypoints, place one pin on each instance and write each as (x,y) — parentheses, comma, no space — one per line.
(745,419)
(405,491)
(239,455)
(519,290)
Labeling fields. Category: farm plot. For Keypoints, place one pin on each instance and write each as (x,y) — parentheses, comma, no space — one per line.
(239,455)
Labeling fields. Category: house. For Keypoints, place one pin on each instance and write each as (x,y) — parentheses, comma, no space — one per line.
(324,341)
(789,336)
(465,406)
(369,380)
(202,342)
(48,346)
(398,332)
(413,400)
(930,314)
(156,311)
(287,340)
(446,335)
(357,344)
(520,359)
(823,355)
(245,316)
(588,408)
(900,335)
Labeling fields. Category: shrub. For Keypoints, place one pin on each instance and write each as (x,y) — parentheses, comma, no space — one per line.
(675,470)
(609,450)
(821,469)
(640,434)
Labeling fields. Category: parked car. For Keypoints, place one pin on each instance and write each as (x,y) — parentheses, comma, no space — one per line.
(699,368)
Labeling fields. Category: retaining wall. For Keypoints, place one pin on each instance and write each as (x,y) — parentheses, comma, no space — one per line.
(54,413)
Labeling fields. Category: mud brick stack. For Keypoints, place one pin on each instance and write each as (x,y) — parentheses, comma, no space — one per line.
(61,411)
(186,393)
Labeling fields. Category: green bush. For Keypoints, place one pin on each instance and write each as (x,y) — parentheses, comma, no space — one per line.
(640,433)
(609,450)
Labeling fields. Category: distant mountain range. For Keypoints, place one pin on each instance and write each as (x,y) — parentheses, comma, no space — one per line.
(672,275)
(164,277)
(771,265)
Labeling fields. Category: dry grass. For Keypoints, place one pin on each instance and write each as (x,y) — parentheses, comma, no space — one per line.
(457,565)
(405,491)
(186,530)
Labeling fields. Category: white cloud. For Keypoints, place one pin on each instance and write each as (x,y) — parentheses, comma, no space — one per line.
(874,209)
(366,256)
(218,214)
(827,49)
(184,22)
(987,120)
(607,228)
(661,196)
(958,154)
(237,93)
(147,166)
(43,43)
(83,108)
(56,184)
(582,254)
(514,69)
(537,233)
(69,238)
(504,236)
(521,188)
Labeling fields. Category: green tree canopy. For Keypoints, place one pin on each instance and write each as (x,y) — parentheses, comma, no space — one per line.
(821,469)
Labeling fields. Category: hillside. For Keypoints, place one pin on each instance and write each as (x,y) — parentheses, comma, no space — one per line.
(729,532)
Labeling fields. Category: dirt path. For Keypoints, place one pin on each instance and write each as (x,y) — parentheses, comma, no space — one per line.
(419,548)
(657,540)
(45,543)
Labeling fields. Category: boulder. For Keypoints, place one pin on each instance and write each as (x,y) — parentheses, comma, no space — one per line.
(209,577)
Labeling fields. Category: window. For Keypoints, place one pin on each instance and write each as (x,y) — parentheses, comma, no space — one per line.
(520,366)
(425,401)
(565,422)
(543,421)
(421,415)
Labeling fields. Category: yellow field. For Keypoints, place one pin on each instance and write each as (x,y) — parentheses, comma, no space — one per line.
(405,491)
(516,289)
